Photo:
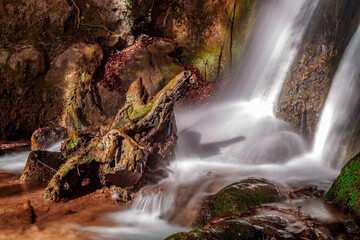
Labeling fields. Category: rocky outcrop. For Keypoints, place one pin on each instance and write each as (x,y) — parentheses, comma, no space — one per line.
(236,198)
(26,18)
(27,100)
(153,60)
(214,33)
(128,152)
(345,189)
(44,137)
(73,72)
(305,91)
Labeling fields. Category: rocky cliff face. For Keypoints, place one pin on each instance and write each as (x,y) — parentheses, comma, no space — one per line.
(306,88)
(53,54)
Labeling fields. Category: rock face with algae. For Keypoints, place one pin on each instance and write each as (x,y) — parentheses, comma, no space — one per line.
(129,152)
(345,190)
(236,198)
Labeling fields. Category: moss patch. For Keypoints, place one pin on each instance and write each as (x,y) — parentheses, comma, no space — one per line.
(345,190)
(236,198)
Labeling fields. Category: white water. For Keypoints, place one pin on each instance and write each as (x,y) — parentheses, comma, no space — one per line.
(340,103)
(15,161)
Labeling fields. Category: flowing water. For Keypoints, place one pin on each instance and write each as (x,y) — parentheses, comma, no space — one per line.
(15,161)
(340,106)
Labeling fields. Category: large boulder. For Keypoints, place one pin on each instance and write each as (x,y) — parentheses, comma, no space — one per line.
(73,72)
(27,63)
(305,90)
(151,59)
(236,198)
(345,190)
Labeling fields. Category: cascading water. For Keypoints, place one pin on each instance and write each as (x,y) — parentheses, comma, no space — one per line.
(340,104)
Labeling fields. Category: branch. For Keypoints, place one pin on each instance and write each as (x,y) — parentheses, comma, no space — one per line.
(223,43)
(78,14)
(98,26)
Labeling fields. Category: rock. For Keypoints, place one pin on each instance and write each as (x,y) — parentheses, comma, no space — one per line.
(47,136)
(28,63)
(120,154)
(41,166)
(305,90)
(21,15)
(234,229)
(73,71)
(4,56)
(154,62)
(202,28)
(345,190)
(117,15)
(236,198)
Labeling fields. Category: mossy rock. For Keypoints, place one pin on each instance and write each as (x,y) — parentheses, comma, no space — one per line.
(345,190)
(41,166)
(230,229)
(236,199)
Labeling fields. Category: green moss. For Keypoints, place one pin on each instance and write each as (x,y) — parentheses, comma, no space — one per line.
(83,77)
(345,190)
(136,114)
(237,198)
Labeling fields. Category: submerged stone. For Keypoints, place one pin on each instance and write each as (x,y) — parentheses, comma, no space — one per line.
(237,198)
(345,191)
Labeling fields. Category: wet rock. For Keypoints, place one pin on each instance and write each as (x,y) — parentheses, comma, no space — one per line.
(120,154)
(345,189)
(236,199)
(27,63)
(41,166)
(237,229)
(47,136)
(73,72)
(305,90)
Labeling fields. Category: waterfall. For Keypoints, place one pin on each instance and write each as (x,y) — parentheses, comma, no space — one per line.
(339,106)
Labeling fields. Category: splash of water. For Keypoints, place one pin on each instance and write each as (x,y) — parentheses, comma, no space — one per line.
(339,106)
